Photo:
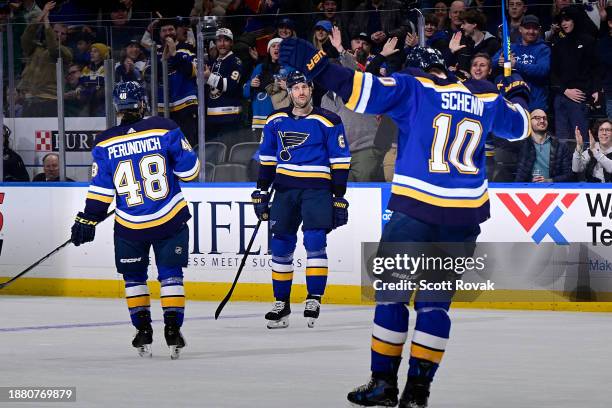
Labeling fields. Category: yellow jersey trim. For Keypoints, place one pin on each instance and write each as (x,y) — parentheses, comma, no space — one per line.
(162,220)
(276,115)
(191,177)
(98,197)
(356,93)
(438,201)
(312,174)
(137,135)
(321,119)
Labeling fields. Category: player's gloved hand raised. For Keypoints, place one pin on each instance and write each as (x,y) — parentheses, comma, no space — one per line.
(303,56)
(514,88)
(340,206)
(84,229)
(260,200)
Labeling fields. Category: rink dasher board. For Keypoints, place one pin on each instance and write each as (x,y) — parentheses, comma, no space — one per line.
(37,217)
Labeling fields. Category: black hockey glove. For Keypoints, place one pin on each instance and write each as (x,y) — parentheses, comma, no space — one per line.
(514,88)
(303,56)
(340,211)
(84,229)
(260,200)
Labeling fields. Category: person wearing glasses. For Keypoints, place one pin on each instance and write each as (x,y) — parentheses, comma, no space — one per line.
(73,106)
(596,161)
(542,158)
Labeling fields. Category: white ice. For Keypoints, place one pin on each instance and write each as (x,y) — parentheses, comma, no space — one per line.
(495,359)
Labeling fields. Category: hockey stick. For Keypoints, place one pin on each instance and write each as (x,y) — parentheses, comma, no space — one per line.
(505,41)
(242,263)
(44,258)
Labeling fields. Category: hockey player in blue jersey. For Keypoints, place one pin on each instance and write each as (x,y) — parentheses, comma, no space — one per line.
(305,154)
(439,192)
(139,164)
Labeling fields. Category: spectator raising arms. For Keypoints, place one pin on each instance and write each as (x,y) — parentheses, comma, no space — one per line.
(38,81)
(596,161)
(472,40)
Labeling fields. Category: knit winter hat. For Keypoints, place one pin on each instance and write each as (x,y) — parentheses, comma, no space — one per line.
(102,49)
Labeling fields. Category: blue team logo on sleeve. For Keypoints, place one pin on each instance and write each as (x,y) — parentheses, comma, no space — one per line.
(290,140)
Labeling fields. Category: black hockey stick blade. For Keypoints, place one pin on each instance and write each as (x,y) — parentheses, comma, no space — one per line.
(34,265)
(44,258)
(242,263)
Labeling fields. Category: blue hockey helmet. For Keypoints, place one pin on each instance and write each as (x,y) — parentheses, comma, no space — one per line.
(128,96)
(296,77)
(425,58)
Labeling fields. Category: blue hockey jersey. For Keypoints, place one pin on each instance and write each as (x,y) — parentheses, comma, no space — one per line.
(139,165)
(181,78)
(304,151)
(223,90)
(440,168)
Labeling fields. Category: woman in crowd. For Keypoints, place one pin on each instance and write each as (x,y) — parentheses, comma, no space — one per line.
(596,161)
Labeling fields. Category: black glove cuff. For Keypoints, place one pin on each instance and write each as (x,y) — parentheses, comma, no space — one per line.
(88,219)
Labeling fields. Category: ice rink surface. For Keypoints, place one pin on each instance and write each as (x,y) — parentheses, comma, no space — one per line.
(495,359)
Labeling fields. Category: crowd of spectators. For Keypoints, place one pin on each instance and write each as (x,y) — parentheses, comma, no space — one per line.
(561,48)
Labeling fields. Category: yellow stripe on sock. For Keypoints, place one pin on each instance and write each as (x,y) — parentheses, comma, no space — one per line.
(139,301)
(318,271)
(282,276)
(173,301)
(386,349)
(425,353)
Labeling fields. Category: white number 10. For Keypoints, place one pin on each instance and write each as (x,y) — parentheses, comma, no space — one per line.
(442,125)
(154,180)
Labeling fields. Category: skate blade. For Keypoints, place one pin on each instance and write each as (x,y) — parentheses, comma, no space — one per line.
(310,321)
(175,352)
(145,351)
(278,324)
(355,405)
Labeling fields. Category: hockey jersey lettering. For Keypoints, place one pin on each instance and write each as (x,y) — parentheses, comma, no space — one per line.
(139,166)
(440,170)
(135,147)
(304,152)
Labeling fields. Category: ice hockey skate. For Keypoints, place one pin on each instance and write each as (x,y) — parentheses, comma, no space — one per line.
(175,340)
(416,393)
(142,341)
(312,309)
(378,392)
(278,317)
